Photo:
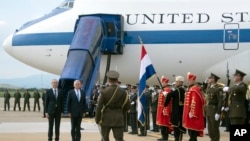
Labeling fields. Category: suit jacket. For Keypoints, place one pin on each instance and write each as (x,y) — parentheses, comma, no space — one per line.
(75,107)
(52,104)
(113,114)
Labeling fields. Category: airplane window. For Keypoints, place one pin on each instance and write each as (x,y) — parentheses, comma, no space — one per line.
(67,4)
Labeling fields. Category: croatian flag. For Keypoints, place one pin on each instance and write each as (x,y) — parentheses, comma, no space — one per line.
(146,71)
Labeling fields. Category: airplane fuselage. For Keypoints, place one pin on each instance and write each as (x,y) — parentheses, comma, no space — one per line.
(179,36)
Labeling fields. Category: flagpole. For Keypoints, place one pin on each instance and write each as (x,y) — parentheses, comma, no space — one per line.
(158,79)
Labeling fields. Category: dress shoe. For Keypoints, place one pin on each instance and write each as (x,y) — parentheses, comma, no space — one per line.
(142,135)
(162,139)
(226,130)
(81,128)
(132,132)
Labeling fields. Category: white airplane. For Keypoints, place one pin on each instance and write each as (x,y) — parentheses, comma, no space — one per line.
(180,36)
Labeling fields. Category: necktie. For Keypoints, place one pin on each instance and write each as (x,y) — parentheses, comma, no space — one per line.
(78,95)
(55,93)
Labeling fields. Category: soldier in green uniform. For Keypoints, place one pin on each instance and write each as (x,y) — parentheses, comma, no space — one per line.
(26,97)
(6,100)
(17,97)
(214,102)
(36,100)
(236,100)
(112,103)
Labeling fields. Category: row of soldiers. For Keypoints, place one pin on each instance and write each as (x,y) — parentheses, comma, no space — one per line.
(17,98)
(175,109)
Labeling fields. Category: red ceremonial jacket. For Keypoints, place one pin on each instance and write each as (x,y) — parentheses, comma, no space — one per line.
(194,103)
(161,119)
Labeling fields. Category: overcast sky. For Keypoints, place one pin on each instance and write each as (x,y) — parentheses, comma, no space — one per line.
(14,13)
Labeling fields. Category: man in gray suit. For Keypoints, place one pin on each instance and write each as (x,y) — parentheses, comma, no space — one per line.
(113,102)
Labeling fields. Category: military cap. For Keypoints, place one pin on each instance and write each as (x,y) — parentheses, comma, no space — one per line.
(147,86)
(240,73)
(179,78)
(164,79)
(156,86)
(134,87)
(215,77)
(128,85)
(191,76)
(112,74)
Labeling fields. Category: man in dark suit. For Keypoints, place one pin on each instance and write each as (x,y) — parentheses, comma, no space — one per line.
(113,102)
(76,109)
(54,109)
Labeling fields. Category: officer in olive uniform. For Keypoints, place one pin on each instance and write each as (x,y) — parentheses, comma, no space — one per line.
(17,97)
(214,102)
(148,94)
(36,100)
(133,111)
(6,100)
(112,103)
(26,96)
(154,105)
(236,100)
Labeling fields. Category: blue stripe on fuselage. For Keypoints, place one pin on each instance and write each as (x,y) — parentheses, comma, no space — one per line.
(131,37)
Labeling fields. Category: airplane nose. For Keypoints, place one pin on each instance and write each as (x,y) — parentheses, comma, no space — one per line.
(7,44)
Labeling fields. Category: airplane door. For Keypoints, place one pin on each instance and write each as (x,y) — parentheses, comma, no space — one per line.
(231,36)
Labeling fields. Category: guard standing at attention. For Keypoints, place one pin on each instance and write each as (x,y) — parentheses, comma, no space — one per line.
(133,111)
(36,100)
(214,102)
(177,96)
(26,96)
(154,105)
(193,112)
(17,97)
(164,113)
(6,100)
(112,103)
(237,99)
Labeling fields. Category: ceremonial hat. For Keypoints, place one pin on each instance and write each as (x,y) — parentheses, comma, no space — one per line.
(179,78)
(156,86)
(240,73)
(164,79)
(147,86)
(112,74)
(128,85)
(134,87)
(191,76)
(215,77)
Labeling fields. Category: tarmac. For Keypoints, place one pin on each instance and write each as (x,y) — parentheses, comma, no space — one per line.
(30,126)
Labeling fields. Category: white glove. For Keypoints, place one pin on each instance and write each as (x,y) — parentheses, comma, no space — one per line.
(222,108)
(173,89)
(217,117)
(190,115)
(226,109)
(225,89)
(206,80)
(132,103)
(165,93)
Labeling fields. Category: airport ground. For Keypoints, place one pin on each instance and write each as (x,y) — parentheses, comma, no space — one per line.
(30,126)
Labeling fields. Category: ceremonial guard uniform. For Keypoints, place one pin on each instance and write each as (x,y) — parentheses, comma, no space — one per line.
(193,112)
(164,113)
(237,99)
(154,105)
(214,101)
(17,97)
(177,97)
(112,103)
(133,111)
